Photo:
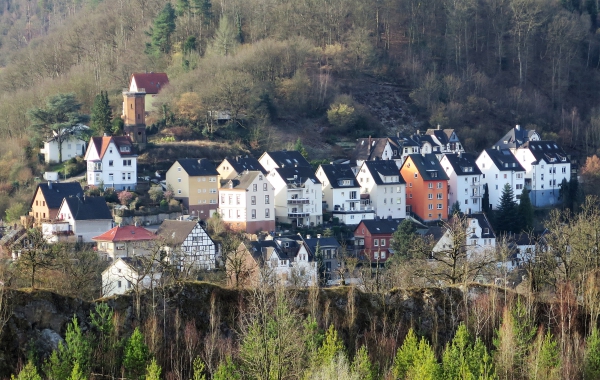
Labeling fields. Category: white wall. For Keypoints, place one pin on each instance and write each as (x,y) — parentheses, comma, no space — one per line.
(119,174)
(496,179)
(72,147)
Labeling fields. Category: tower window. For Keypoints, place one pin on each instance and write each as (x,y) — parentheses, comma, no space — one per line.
(131,106)
(138,115)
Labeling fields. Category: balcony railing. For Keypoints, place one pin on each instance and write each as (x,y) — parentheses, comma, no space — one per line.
(298,214)
(298,201)
(139,90)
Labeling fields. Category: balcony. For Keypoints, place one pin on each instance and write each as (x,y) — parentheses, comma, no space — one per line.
(139,91)
(298,214)
(298,201)
(95,166)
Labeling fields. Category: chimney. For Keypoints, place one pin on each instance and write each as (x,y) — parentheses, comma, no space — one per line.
(369,148)
(318,236)
(50,185)
(307,237)
(518,127)
(105,134)
(418,132)
(398,134)
(438,127)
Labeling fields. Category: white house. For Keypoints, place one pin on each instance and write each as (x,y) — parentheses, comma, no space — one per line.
(188,243)
(72,146)
(464,182)
(382,187)
(127,273)
(499,167)
(231,167)
(546,166)
(298,197)
(341,194)
(86,216)
(282,159)
(445,141)
(247,202)
(480,237)
(516,137)
(111,162)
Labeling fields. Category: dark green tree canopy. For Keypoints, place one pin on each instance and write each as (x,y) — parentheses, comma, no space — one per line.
(526,211)
(101,118)
(507,215)
(161,31)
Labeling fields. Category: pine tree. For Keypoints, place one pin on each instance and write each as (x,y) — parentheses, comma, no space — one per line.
(545,362)
(464,359)
(425,365)
(332,346)
(101,117)
(226,370)
(225,41)
(591,367)
(455,208)
(199,369)
(507,216)
(361,366)
(405,356)
(403,239)
(299,147)
(161,31)
(485,201)
(77,349)
(136,355)
(153,371)
(526,211)
(29,372)
(77,373)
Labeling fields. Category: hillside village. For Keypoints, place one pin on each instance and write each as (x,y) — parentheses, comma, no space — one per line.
(353,207)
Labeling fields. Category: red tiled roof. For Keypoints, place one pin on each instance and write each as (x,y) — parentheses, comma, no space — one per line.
(101,144)
(126,233)
(151,82)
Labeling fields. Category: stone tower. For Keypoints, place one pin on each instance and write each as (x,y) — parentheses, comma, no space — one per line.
(134,115)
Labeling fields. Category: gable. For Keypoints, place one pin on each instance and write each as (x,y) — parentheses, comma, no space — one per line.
(91,153)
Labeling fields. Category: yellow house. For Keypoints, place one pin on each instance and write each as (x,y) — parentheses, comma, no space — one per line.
(49,196)
(195,182)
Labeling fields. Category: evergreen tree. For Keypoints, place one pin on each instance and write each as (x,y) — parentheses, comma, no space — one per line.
(321,270)
(332,346)
(199,368)
(101,117)
(545,361)
(153,371)
(403,239)
(299,147)
(455,208)
(361,366)
(485,201)
(591,368)
(77,349)
(425,365)
(464,359)
(313,338)
(29,372)
(77,373)
(405,356)
(526,211)
(136,355)
(507,215)
(224,42)
(226,370)
(161,31)
(58,119)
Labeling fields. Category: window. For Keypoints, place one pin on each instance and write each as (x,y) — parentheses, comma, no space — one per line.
(439,185)
(110,162)
(222,199)
(239,215)
(416,175)
(410,185)
(212,201)
(564,170)
(430,206)
(504,175)
(440,196)
(429,196)
(213,191)
(179,169)
(118,284)
(496,176)
(519,186)
(111,177)
(128,175)
(178,191)
(178,179)
(398,189)
(253,200)
(126,162)
(399,200)
(383,242)
(267,213)
(410,196)
(253,213)
(264,187)
(439,206)
(237,199)
(376,242)
(212,179)
(430,185)
(385,201)
(266,199)
(254,187)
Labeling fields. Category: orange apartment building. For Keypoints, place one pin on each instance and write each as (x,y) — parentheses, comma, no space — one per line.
(426,186)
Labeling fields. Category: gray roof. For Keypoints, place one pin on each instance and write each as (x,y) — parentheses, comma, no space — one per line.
(242,163)
(514,138)
(196,167)
(463,164)
(429,167)
(386,168)
(381,226)
(337,173)
(287,158)
(435,232)
(260,249)
(88,208)
(504,160)
(369,148)
(241,181)
(443,135)
(176,231)
(54,193)
(483,223)
(297,175)
(547,151)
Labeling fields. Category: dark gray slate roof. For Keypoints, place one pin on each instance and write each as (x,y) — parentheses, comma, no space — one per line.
(429,167)
(504,160)
(483,223)
(382,226)
(242,163)
(88,208)
(369,148)
(301,173)
(196,167)
(547,151)
(336,174)
(286,158)
(384,168)
(54,193)
(259,249)
(463,164)
(516,137)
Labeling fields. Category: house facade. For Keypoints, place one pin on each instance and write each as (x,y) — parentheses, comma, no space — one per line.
(149,84)
(382,187)
(126,274)
(499,167)
(373,239)
(111,162)
(48,198)
(546,166)
(126,241)
(480,238)
(86,216)
(426,186)
(195,182)
(464,182)
(247,202)
(341,194)
(72,146)
(188,244)
(230,168)
(282,159)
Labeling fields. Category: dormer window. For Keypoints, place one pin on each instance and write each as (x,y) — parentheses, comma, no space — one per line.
(124,148)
